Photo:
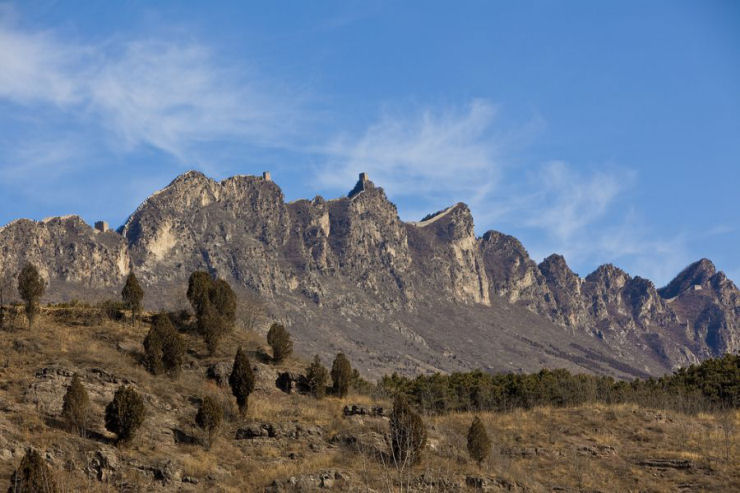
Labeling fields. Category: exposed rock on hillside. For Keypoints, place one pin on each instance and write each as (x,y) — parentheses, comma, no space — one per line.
(347,274)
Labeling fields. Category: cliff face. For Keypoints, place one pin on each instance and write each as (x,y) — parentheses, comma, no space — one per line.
(349,275)
(68,253)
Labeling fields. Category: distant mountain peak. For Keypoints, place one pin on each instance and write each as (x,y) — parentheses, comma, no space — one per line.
(696,274)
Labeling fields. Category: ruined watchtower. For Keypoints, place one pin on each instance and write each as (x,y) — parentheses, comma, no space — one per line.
(361,185)
(102,226)
(266,176)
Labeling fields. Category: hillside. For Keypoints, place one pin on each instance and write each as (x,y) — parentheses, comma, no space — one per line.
(347,274)
(293,442)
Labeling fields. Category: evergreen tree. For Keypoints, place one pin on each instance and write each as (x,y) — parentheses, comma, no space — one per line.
(341,375)
(241,380)
(209,417)
(163,347)
(316,378)
(31,287)
(214,304)
(132,294)
(76,406)
(279,340)
(479,445)
(33,476)
(125,414)
(199,286)
(223,299)
(408,433)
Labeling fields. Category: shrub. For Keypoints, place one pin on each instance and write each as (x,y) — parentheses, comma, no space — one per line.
(316,378)
(341,375)
(125,414)
(31,287)
(163,346)
(112,309)
(408,433)
(479,445)
(279,340)
(33,475)
(76,406)
(241,380)
(132,294)
(209,417)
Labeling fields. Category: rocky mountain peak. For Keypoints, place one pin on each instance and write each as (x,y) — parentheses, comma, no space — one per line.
(556,268)
(349,269)
(696,274)
(608,277)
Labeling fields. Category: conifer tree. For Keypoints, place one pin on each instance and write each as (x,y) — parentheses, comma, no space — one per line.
(341,375)
(214,304)
(33,475)
(316,378)
(132,294)
(408,433)
(479,445)
(163,347)
(31,287)
(241,380)
(209,417)
(125,414)
(76,406)
(279,340)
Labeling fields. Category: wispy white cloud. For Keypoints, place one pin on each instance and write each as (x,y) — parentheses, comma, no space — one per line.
(433,154)
(168,94)
(457,154)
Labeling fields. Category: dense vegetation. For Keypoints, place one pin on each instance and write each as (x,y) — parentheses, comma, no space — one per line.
(714,384)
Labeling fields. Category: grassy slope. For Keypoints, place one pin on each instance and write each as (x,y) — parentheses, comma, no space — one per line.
(585,448)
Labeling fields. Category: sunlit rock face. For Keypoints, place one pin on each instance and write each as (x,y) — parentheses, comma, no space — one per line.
(348,274)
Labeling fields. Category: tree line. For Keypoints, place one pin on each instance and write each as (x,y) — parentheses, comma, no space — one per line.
(713,384)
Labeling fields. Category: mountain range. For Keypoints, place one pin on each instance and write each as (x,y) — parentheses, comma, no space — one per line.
(349,275)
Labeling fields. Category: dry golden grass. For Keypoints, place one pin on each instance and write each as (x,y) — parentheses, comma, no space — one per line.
(592,447)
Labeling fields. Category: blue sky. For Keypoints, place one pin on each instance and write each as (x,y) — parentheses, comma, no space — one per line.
(605,131)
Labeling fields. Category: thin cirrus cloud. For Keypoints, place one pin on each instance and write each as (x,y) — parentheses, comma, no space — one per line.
(434,155)
(439,157)
(165,94)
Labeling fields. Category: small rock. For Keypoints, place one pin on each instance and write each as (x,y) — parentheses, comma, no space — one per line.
(219,372)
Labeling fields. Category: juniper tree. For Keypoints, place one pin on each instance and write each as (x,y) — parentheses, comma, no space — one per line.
(163,347)
(341,375)
(33,475)
(125,414)
(279,340)
(223,299)
(76,406)
(31,287)
(316,378)
(132,294)
(214,304)
(241,380)
(408,433)
(479,445)
(209,417)
(212,327)
(199,285)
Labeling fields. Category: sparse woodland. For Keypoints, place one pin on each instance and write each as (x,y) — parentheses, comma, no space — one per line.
(107,397)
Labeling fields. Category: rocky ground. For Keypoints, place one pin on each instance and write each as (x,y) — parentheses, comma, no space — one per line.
(293,442)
